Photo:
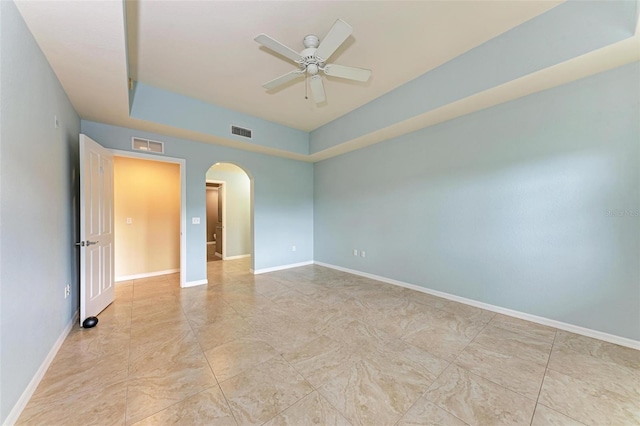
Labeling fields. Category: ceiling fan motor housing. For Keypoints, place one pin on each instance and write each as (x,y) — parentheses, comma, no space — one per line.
(310,62)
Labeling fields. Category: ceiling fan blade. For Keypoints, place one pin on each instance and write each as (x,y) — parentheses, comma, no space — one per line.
(317,89)
(334,38)
(282,79)
(350,73)
(278,47)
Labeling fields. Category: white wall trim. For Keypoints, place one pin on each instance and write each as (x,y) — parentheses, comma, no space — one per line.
(146,275)
(611,338)
(15,412)
(280,268)
(195,283)
(240,256)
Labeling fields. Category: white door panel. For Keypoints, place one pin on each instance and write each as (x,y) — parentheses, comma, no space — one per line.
(96,228)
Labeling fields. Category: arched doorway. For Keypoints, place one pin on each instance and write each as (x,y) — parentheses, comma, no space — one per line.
(229,216)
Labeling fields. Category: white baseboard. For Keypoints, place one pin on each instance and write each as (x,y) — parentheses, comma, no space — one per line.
(195,283)
(240,256)
(146,275)
(15,412)
(280,268)
(611,338)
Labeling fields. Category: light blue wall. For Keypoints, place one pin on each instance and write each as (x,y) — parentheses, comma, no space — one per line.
(38,207)
(506,206)
(161,106)
(564,32)
(283,196)
(237,223)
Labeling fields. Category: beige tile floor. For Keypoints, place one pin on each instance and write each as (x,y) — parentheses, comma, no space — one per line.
(315,346)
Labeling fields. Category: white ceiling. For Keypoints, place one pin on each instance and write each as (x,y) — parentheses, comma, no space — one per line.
(205,49)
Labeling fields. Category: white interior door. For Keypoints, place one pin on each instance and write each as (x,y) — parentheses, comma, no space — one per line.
(96,228)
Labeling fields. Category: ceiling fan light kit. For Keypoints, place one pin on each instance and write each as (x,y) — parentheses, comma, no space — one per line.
(313,59)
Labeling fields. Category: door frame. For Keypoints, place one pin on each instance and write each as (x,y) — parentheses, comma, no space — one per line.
(183,200)
(222,187)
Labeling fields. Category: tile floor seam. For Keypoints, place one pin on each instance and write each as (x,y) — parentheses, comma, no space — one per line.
(564,374)
(515,356)
(210,368)
(495,383)
(224,396)
(435,380)
(470,341)
(333,405)
(126,398)
(423,395)
(434,404)
(491,380)
(543,377)
(169,406)
(263,362)
(440,374)
(314,390)
(484,378)
(427,387)
(599,360)
(553,409)
(238,291)
(281,412)
(318,391)
(600,387)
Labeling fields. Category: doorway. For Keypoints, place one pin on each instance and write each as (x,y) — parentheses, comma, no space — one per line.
(150,218)
(215,220)
(229,191)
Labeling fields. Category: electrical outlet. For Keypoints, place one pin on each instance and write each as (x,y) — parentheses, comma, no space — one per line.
(195,221)
(362,253)
(355,252)
(67,291)
(129,220)
(293,248)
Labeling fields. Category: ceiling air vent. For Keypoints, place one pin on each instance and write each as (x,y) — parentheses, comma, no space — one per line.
(147,145)
(245,133)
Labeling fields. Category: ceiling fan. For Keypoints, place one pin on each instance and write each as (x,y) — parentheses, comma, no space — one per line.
(313,59)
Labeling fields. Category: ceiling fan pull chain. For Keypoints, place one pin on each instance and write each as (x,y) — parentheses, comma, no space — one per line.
(305,86)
